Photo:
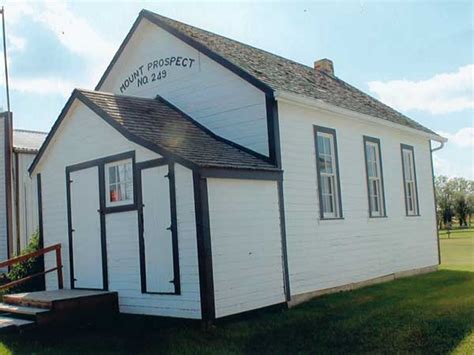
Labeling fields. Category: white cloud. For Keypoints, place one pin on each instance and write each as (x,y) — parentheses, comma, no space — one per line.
(443,93)
(463,138)
(450,167)
(16,43)
(42,86)
(73,32)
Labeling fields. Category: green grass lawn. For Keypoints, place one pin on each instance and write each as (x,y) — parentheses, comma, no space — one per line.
(457,250)
(428,314)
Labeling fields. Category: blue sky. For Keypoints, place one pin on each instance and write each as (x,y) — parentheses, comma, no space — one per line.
(418,57)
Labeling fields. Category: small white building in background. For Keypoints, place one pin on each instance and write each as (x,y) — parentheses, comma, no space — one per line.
(204,178)
(18,194)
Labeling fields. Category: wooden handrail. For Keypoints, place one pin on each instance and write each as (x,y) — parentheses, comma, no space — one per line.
(22,258)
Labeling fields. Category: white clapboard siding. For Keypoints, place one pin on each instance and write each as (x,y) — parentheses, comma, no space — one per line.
(211,94)
(28,207)
(3,209)
(84,136)
(246,245)
(324,254)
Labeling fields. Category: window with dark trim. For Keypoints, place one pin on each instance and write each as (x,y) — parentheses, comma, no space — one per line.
(409,180)
(327,165)
(119,183)
(374,176)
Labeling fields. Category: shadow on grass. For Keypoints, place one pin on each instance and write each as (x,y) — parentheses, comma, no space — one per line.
(425,314)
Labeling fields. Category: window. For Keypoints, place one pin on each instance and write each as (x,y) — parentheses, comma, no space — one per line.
(373,167)
(409,180)
(328,173)
(119,178)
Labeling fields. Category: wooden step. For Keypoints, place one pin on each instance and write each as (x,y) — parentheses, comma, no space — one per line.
(22,310)
(7,323)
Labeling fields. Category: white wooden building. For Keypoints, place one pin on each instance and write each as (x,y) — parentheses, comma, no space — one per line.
(18,195)
(204,178)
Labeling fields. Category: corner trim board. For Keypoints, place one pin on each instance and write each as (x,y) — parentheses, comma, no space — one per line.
(7,131)
(204,247)
(435,202)
(39,193)
(284,247)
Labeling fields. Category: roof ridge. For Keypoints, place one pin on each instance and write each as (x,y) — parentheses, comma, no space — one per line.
(28,131)
(115,95)
(373,106)
(227,38)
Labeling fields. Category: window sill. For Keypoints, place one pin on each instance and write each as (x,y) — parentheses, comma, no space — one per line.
(377,217)
(161,293)
(121,208)
(332,219)
(413,215)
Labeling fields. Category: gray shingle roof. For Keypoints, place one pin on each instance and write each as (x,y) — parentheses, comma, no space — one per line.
(158,122)
(286,75)
(27,141)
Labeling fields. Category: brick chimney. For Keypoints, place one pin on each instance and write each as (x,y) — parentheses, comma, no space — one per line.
(324,65)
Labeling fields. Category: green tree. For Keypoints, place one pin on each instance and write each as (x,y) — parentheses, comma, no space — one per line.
(454,195)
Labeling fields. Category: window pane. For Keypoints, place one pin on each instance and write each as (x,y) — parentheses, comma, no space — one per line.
(113,193)
(371,169)
(326,164)
(128,191)
(327,145)
(325,185)
(321,145)
(328,175)
(410,197)
(120,182)
(128,172)
(121,172)
(112,175)
(407,165)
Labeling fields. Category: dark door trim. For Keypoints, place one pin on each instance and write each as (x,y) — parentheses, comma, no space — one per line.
(70,170)
(103,210)
(174,225)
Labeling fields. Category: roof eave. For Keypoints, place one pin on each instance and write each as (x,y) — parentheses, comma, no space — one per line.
(324,106)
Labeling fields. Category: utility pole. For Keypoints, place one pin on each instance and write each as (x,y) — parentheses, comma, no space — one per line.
(5,58)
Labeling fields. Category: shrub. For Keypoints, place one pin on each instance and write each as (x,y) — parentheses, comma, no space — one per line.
(27,268)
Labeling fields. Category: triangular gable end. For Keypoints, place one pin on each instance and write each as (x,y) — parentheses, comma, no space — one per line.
(144,14)
(156,59)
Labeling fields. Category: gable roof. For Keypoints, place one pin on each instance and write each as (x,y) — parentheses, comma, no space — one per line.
(159,126)
(272,73)
(26,141)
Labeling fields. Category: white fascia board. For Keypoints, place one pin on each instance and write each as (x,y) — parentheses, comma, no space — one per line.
(308,102)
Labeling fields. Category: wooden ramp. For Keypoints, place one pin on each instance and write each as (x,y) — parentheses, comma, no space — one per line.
(56,308)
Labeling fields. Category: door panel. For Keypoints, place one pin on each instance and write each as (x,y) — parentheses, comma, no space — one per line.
(157,235)
(85,223)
